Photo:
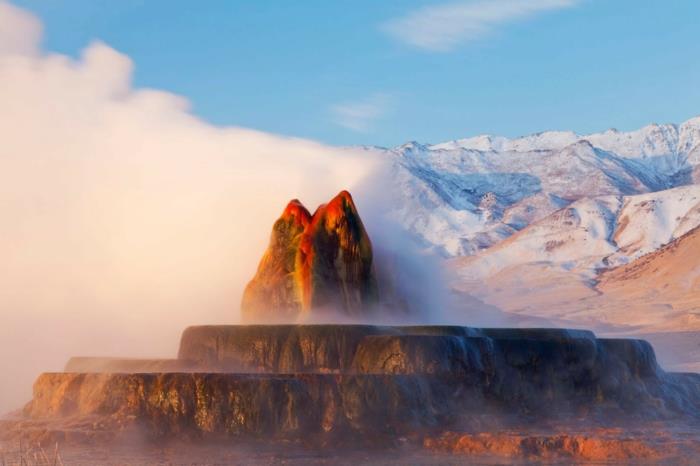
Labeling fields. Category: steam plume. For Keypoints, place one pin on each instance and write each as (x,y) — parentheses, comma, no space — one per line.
(124,217)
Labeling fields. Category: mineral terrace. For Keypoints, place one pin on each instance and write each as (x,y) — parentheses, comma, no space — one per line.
(526,394)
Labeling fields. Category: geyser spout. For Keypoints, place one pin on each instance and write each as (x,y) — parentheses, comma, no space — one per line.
(314,263)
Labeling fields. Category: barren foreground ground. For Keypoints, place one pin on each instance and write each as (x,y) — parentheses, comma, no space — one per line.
(610,446)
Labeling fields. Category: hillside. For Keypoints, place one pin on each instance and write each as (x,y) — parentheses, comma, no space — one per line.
(593,234)
(556,228)
(670,274)
(461,196)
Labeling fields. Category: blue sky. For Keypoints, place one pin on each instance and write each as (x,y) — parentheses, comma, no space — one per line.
(371,72)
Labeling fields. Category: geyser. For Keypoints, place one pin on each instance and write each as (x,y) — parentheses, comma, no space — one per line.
(449,388)
(314,263)
(358,384)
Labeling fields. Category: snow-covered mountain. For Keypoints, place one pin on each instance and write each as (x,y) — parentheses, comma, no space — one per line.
(463,196)
(595,231)
(592,234)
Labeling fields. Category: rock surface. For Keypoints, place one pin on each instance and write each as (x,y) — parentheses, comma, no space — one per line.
(364,384)
(598,447)
(97,365)
(274,406)
(314,263)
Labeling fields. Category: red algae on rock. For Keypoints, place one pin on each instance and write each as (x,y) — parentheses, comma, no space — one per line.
(596,446)
(314,262)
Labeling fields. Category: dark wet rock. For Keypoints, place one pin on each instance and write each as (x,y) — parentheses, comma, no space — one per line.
(276,348)
(444,355)
(363,382)
(557,334)
(97,365)
(248,404)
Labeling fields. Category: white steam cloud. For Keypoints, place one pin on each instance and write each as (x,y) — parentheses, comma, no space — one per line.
(20,31)
(124,218)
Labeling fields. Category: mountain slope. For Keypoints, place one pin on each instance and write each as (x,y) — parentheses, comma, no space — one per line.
(593,233)
(596,231)
(462,196)
(670,274)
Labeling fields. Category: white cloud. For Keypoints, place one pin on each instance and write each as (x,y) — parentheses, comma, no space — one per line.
(124,218)
(444,27)
(361,115)
(20,32)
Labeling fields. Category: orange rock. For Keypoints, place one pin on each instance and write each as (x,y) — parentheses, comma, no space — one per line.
(576,447)
(313,262)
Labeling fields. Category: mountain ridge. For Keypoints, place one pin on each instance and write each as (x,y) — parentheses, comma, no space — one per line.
(458,199)
(681,138)
(534,225)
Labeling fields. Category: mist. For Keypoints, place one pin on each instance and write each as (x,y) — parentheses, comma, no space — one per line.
(415,285)
(124,217)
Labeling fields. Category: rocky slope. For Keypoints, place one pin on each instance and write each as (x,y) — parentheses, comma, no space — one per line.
(605,263)
(592,234)
(528,224)
(314,263)
(671,270)
(465,195)
(664,284)
(668,278)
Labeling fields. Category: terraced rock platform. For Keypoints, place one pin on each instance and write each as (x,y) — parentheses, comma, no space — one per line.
(349,384)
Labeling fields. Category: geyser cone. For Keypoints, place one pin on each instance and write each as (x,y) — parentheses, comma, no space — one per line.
(314,262)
